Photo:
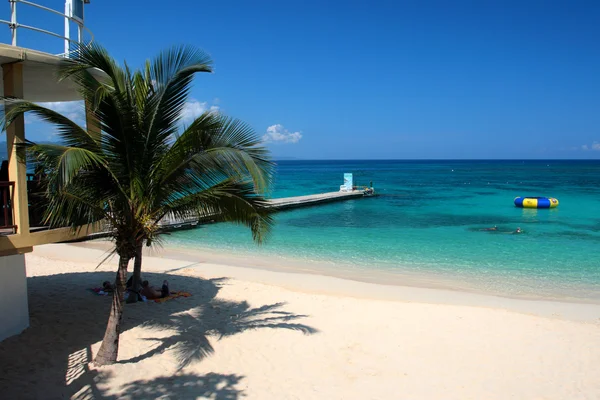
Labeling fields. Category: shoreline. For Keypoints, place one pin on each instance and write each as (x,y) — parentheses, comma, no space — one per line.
(290,277)
(401,277)
(255,333)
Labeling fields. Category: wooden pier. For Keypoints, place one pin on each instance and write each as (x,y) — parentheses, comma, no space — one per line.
(284,203)
(168,224)
(313,199)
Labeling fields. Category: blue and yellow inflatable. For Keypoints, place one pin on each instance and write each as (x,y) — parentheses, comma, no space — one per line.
(536,202)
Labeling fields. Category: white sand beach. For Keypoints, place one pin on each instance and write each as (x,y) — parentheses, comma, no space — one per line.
(261,334)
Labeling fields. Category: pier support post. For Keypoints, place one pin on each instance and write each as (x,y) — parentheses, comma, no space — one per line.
(15,134)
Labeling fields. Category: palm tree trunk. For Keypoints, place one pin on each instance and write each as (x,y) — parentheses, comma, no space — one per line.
(110,344)
(136,283)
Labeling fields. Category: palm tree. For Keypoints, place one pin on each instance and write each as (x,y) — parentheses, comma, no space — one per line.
(136,163)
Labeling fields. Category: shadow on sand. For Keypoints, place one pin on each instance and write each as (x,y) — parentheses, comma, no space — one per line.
(72,323)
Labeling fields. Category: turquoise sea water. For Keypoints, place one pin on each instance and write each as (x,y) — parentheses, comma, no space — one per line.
(429,220)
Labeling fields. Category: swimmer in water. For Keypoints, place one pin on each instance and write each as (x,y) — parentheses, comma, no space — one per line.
(518,231)
(495,228)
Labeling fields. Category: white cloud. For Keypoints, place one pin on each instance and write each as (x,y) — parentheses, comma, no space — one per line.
(194,108)
(278,134)
(595,146)
(74,110)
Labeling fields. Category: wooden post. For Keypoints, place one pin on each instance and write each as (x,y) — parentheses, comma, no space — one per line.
(15,133)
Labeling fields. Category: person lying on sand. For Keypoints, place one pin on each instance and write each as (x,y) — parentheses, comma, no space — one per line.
(165,292)
(108,287)
(129,288)
(151,293)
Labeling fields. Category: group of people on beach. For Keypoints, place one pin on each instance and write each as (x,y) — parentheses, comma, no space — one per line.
(146,291)
(495,229)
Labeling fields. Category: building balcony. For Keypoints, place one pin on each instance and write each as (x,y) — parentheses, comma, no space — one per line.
(30,73)
(14,239)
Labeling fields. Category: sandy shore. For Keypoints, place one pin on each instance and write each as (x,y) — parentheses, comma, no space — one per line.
(261,334)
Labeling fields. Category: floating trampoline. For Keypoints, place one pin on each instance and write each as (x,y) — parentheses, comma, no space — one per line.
(536,202)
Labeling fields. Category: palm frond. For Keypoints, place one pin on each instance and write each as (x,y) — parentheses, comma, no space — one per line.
(111,99)
(93,57)
(229,201)
(69,132)
(215,142)
(131,167)
(67,162)
(170,75)
(74,207)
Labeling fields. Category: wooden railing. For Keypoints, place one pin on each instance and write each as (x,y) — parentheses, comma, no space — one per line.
(7,195)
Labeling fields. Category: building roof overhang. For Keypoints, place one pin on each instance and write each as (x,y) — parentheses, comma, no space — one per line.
(40,75)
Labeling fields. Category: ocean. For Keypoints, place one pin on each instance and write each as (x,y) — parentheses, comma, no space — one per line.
(429,221)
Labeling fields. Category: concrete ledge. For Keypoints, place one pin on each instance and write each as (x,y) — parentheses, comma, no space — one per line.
(24,242)
(40,75)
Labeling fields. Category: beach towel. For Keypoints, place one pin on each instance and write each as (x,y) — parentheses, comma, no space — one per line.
(173,295)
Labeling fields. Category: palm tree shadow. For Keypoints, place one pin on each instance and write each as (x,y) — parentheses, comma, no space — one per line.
(180,386)
(217,319)
(185,386)
(63,328)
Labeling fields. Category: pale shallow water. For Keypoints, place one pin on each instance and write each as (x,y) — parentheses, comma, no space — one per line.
(429,219)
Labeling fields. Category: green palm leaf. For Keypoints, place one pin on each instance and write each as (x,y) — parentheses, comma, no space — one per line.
(133,166)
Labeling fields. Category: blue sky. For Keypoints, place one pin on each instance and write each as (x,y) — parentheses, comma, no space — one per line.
(398,79)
